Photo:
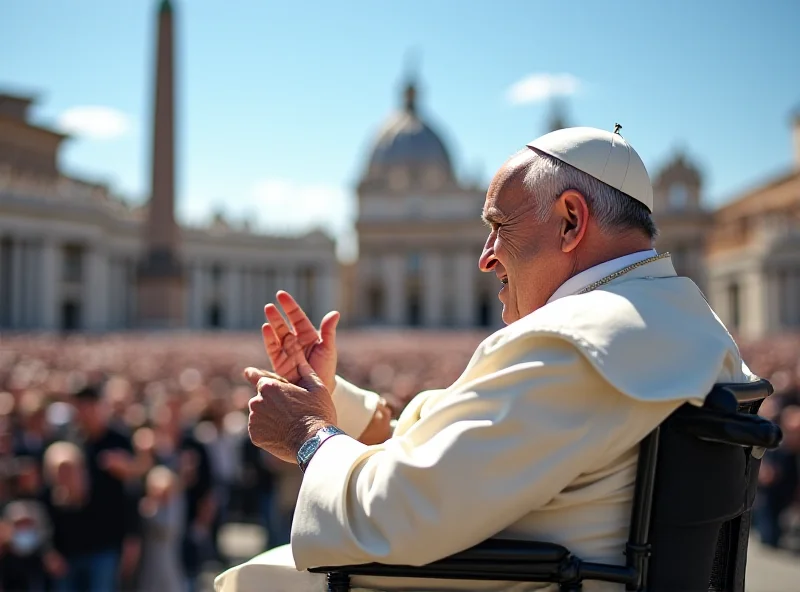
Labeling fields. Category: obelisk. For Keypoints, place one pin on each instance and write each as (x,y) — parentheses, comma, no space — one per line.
(160,282)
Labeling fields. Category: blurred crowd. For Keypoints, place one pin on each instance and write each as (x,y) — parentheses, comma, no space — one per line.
(777,510)
(123,456)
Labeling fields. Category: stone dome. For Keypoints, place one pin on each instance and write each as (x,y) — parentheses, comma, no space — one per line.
(406,141)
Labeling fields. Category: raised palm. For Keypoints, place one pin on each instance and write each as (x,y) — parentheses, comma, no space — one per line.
(319,347)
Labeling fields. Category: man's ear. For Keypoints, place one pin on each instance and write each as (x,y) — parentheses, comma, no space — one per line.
(573,210)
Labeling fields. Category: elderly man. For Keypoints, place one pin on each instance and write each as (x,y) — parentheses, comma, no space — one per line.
(538,437)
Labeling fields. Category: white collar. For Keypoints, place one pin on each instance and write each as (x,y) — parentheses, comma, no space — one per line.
(588,276)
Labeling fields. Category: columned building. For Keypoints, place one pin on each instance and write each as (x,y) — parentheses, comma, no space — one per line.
(75,257)
(70,250)
(419,234)
(754,256)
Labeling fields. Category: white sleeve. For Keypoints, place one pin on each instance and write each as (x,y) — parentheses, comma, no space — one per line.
(498,445)
(354,407)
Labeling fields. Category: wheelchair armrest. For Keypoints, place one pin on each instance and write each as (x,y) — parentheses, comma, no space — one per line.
(737,429)
(746,392)
(494,559)
(512,551)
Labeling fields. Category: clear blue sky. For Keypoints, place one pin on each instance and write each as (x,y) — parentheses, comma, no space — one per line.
(278,101)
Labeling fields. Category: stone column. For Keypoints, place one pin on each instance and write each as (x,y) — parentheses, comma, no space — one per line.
(258,295)
(355,297)
(17,284)
(466,269)
(119,295)
(270,286)
(131,295)
(265,292)
(247,299)
(232,315)
(196,295)
(95,289)
(394,281)
(309,280)
(287,281)
(772,313)
(716,298)
(754,301)
(37,300)
(29,295)
(433,289)
(326,296)
(50,284)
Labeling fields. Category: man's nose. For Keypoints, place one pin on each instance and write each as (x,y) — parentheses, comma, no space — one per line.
(487,260)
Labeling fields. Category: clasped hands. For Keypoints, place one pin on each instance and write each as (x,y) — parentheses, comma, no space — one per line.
(294,401)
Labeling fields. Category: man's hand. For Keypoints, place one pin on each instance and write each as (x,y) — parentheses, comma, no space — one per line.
(318,347)
(284,415)
(378,430)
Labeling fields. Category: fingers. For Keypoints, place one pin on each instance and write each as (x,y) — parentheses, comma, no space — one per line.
(303,328)
(308,378)
(275,320)
(254,376)
(277,351)
(327,328)
(291,347)
(271,342)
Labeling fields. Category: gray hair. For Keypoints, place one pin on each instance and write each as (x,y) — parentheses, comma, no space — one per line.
(548,177)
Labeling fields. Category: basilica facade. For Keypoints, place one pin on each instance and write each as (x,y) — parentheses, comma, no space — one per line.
(419,237)
(419,234)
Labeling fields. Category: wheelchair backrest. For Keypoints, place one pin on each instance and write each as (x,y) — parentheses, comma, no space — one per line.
(704,491)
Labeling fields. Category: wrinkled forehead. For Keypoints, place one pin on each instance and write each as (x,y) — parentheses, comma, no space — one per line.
(507,190)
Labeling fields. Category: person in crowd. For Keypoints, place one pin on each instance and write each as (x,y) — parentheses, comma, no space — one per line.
(259,482)
(26,478)
(177,448)
(67,499)
(22,563)
(163,514)
(221,440)
(31,437)
(778,479)
(538,438)
(112,528)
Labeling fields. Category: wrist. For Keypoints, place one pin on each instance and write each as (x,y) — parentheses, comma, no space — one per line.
(305,431)
(310,447)
(330,382)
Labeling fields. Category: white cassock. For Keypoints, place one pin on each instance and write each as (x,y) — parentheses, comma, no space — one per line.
(536,440)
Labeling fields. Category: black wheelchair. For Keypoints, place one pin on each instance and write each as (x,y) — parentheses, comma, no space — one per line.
(690,524)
